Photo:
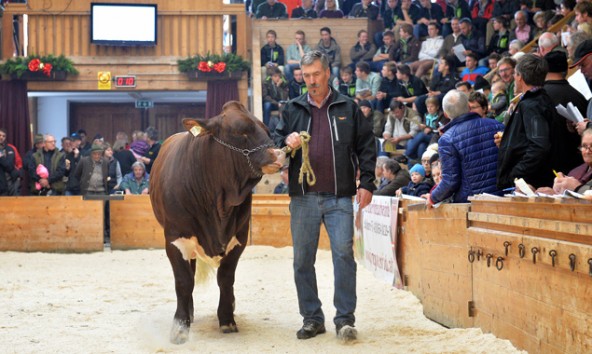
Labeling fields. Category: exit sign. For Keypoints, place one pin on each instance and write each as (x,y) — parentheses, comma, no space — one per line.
(144,104)
(125,81)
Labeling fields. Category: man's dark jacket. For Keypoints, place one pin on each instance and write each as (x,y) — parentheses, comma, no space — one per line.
(84,171)
(352,139)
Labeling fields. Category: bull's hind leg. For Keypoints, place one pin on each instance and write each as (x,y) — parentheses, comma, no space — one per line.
(225,277)
(184,271)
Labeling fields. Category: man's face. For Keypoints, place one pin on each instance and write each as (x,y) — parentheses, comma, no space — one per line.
(580,17)
(317,79)
(50,143)
(271,2)
(67,145)
(82,138)
(75,144)
(307,4)
(363,38)
(471,63)
(475,107)
(586,149)
(398,113)
(492,63)
(277,78)
(366,3)
(96,155)
(297,75)
(506,72)
(346,77)
(270,39)
(392,3)
(432,31)
(520,19)
(387,40)
(385,71)
(496,26)
(2,137)
(405,4)
(455,25)
(425,3)
(586,67)
(463,89)
(465,28)
(325,36)
(518,84)
(359,73)
(299,38)
(366,111)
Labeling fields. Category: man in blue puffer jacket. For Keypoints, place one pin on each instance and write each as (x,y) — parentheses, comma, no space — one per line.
(467,152)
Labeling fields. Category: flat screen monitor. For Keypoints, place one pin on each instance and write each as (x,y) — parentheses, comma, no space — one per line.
(123,24)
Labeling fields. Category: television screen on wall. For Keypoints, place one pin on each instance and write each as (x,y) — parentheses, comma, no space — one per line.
(123,24)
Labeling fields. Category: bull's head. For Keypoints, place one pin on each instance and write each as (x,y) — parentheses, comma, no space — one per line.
(237,129)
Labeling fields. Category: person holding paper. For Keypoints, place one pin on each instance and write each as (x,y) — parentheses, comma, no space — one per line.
(472,39)
(583,60)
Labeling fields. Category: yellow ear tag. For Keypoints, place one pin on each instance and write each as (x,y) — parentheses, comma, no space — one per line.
(195,130)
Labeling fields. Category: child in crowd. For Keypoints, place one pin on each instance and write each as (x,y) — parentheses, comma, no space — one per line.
(499,101)
(417,187)
(436,176)
(418,145)
(346,83)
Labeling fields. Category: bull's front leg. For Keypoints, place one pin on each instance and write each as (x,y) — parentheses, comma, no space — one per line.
(225,278)
(184,272)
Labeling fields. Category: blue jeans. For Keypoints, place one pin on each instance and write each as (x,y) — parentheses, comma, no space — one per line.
(267,108)
(418,145)
(308,212)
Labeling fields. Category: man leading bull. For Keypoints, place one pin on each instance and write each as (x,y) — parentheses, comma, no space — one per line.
(341,143)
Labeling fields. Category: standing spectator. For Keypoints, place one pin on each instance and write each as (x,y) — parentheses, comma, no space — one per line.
(523,32)
(346,83)
(306,10)
(467,153)
(54,162)
(525,149)
(137,181)
(506,72)
(472,39)
(152,154)
(427,14)
(93,172)
(85,145)
(330,10)
(114,176)
(363,50)
(296,86)
(396,177)
(275,95)
(428,54)
(367,82)
(271,9)
(365,9)
(472,70)
(329,200)
(272,54)
(9,173)
(282,187)
(411,86)
(406,51)
(454,9)
(125,157)
(328,46)
(389,86)
(478,104)
(71,161)
(27,182)
(295,52)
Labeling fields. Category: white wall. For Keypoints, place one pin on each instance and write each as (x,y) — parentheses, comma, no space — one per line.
(52,117)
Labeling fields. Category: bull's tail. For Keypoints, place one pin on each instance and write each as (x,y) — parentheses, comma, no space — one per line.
(204,269)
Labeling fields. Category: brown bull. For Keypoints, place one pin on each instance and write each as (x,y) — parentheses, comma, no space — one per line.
(200,188)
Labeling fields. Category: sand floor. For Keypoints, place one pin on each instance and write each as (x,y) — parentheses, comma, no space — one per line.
(124,301)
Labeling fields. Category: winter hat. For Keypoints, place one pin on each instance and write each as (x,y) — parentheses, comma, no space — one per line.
(38,138)
(418,168)
(365,103)
(428,154)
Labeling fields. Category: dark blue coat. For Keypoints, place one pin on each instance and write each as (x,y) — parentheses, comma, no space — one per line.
(469,158)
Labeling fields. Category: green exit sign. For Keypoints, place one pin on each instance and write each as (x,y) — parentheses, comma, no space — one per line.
(144,104)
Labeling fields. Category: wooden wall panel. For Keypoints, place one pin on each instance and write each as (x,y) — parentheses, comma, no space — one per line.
(51,224)
(133,224)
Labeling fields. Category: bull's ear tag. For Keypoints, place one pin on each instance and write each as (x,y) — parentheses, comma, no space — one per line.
(195,130)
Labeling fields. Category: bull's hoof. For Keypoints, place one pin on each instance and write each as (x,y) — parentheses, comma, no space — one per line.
(229,328)
(179,333)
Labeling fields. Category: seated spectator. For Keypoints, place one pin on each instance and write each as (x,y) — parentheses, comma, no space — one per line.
(306,10)
(483,86)
(452,40)
(330,10)
(428,54)
(392,13)
(427,126)
(583,11)
(548,42)
(426,157)
(478,104)
(428,13)
(578,179)
(411,86)
(272,55)
(376,118)
(464,87)
(297,86)
(566,7)
(364,9)
(406,50)
(515,47)
(401,125)
(125,157)
(500,41)
(380,181)
(346,82)
(492,61)
(282,187)
(367,82)
(467,152)
(442,81)
(574,40)
(481,12)
(136,182)
(271,9)
(499,100)
(363,50)
(472,70)
(454,9)
(275,95)
(389,86)
(472,39)
(436,176)
(295,52)
(395,176)
(328,46)
(540,22)
(383,53)
(417,187)
(523,32)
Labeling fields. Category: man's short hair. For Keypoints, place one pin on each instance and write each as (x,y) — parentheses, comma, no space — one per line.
(507,61)
(274,71)
(310,57)
(479,98)
(389,33)
(361,31)
(63,139)
(325,29)
(584,7)
(532,69)
(407,28)
(501,20)
(271,32)
(363,66)
(463,83)
(435,25)
(392,166)
(455,104)
(473,56)
(346,70)
(395,104)
(466,20)
(495,56)
(391,66)
(152,133)
(301,32)
(404,69)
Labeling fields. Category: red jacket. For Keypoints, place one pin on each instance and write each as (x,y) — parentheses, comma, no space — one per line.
(486,14)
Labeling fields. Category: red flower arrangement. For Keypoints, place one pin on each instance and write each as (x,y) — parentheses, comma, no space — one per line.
(209,66)
(36,65)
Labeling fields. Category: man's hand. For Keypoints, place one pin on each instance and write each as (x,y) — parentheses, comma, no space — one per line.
(429,202)
(562,183)
(293,140)
(497,138)
(363,197)
(44,182)
(581,126)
